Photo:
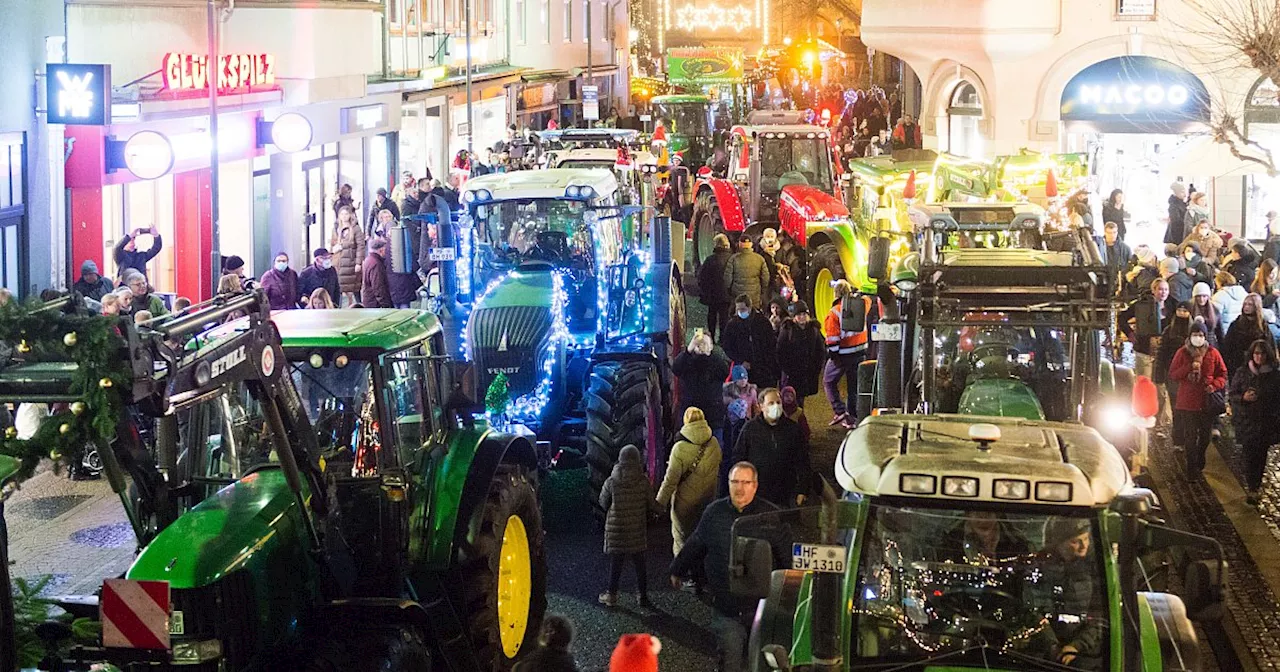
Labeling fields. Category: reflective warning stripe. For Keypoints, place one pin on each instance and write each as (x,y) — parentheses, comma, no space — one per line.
(135,614)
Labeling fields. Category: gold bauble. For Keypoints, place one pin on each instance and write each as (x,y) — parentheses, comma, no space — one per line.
(24,346)
(64,428)
(104,383)
(69,340)
(77,408)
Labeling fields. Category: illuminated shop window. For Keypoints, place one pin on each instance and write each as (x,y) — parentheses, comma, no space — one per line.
(964,121)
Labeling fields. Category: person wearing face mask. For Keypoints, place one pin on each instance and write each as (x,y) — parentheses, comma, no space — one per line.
(1203,310)
(1171,339)
(281,284)
(1194,264)
(775,444)
(1255,396)
(319,275)
(1203,235)
(749,339)
(802,352)
(1199,372)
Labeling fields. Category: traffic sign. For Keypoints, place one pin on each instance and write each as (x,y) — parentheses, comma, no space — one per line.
(135,614)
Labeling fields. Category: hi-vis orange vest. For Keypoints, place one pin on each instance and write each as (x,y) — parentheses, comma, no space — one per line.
(845,342)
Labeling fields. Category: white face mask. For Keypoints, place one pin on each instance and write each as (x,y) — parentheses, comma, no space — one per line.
(773,411)
(327,263)
(1197,341)
(744,314)
(282,266)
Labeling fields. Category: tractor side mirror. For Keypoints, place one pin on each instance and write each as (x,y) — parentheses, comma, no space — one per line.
(853,311)
(1202,584)
(878,258)
(459,386)
(750,567)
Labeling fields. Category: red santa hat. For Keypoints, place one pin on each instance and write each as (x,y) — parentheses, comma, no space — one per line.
(636,653)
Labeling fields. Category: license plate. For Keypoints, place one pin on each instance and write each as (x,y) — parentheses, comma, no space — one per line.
(886,332)
(817,558)
(176,625)
(442,254)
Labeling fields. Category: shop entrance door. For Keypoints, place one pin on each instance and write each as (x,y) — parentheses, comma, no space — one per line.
(318,219)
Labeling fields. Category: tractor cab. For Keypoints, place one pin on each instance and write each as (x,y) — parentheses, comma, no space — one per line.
(687,120)
(971,543)
(616,150)
(764,160)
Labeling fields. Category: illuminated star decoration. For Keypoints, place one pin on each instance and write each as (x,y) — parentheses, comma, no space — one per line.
(714,17)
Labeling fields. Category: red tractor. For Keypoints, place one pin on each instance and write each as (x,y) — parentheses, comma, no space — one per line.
(780,175)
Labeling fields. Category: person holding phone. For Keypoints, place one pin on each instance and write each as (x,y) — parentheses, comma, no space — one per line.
(127,254)
(1255,396)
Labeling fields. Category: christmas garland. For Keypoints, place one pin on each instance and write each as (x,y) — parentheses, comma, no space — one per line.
(38,335)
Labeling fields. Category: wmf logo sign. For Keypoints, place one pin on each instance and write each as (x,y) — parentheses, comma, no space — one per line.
(79,94)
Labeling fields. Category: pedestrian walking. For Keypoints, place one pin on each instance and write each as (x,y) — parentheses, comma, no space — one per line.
(713,287)
(742,402)
(745,273)
(1229,298)
(627,499)
(234,265)
(281,284)
(1255,398)
(690,482)
(1177,230)
(793,409)
(348,243)
(711,547)
(381,201)
(91,284)
(1113,212)
(1249,327)
(1242,261)
(344,199)
(749,340)
(319,275)
(1143,269)
(1202,233)
(375,288)
(846,340)
(1203,310)
(1180,283)
(1115,254)
(402,188)
(1175,334)
(801,352)
(700,380)
(127,254)
(1202,380)
(775,445)
(554,641)
(1266,283)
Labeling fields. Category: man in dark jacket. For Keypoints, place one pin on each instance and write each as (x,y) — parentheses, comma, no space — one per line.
(1242,261)
(775,444)
(128,256)
(713,292)
(700,376)
(749,339)
(412,199)
(380,203)
(1176,231)
(802,351)
(1115,254)
(747,273)
(281,284)
(91,284)
(710,546)
(375,289)
(320,274)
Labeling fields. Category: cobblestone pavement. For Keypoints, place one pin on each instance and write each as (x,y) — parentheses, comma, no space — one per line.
(73,530)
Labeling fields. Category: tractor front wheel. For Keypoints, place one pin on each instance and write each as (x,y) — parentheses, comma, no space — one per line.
(504,572)
(624,407)
(825,268)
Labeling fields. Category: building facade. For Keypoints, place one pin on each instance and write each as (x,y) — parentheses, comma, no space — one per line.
(1135,84)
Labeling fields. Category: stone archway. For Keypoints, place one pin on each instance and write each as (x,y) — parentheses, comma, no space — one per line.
(943,83)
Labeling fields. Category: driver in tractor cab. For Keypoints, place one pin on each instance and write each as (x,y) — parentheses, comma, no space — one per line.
(983,537)
(1069,593)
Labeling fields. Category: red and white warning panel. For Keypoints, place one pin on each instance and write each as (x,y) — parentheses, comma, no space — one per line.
(135,614)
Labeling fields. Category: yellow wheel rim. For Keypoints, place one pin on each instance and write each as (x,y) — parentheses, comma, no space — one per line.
(515,586)
(823,295)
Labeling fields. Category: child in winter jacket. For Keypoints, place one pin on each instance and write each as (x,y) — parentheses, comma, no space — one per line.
(627,498)
(552,654)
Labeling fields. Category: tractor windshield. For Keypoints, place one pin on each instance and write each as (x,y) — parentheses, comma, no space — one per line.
(980,587)
(536,229)
(687,119)
(341,407)
(982,364)
(794,160)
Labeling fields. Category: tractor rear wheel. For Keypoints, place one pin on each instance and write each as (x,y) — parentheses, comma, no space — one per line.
(503,585)
(624,407)
(825,268)
(707,223)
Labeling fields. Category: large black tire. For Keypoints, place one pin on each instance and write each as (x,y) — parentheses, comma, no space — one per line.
(826,257)
(363,647)
(624,406)
(707,222)
(511,494)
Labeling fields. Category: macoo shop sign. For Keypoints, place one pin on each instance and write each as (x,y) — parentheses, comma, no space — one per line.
(190,72)
(1135,94)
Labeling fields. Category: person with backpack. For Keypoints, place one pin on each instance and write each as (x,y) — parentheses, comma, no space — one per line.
(627,499)
(847,330)
(690,481)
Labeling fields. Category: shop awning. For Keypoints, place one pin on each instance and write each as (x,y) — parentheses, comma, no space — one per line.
(542,76)
(1201,156)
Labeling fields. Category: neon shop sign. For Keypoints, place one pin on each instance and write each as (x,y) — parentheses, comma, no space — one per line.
(190,72)
(1135,95)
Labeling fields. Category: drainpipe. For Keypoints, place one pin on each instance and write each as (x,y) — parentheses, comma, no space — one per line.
(215,256)
(386,39)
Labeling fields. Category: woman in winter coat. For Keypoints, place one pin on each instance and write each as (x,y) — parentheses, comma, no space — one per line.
(1203,310)
(1242,262)
(1255,397)
(1113,211)
(627,498)
(1266,282)
(1228,299)
(1199,372)
(700,376)
(1197,212)
(1171,339)
(1177,229)
(1249,327)
(348,245)
(802,352)
(690,483)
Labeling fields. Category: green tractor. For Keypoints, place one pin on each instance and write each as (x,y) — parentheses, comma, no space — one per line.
(333,505)
(581,311)
(687,119)
(971,543)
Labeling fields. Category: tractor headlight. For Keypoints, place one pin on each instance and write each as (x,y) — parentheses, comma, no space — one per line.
(587,193)
(918,484)
(341,361)
(316,360)
(1006,488)
(905,285)
(572,191)
(468,197)
(1116,418)
(483,195)
(188,653)
(1053,491)
(960,486)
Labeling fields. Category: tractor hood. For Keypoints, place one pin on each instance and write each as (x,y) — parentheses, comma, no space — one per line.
(240,524)
(1001,397)
(800,204)
(508,327)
